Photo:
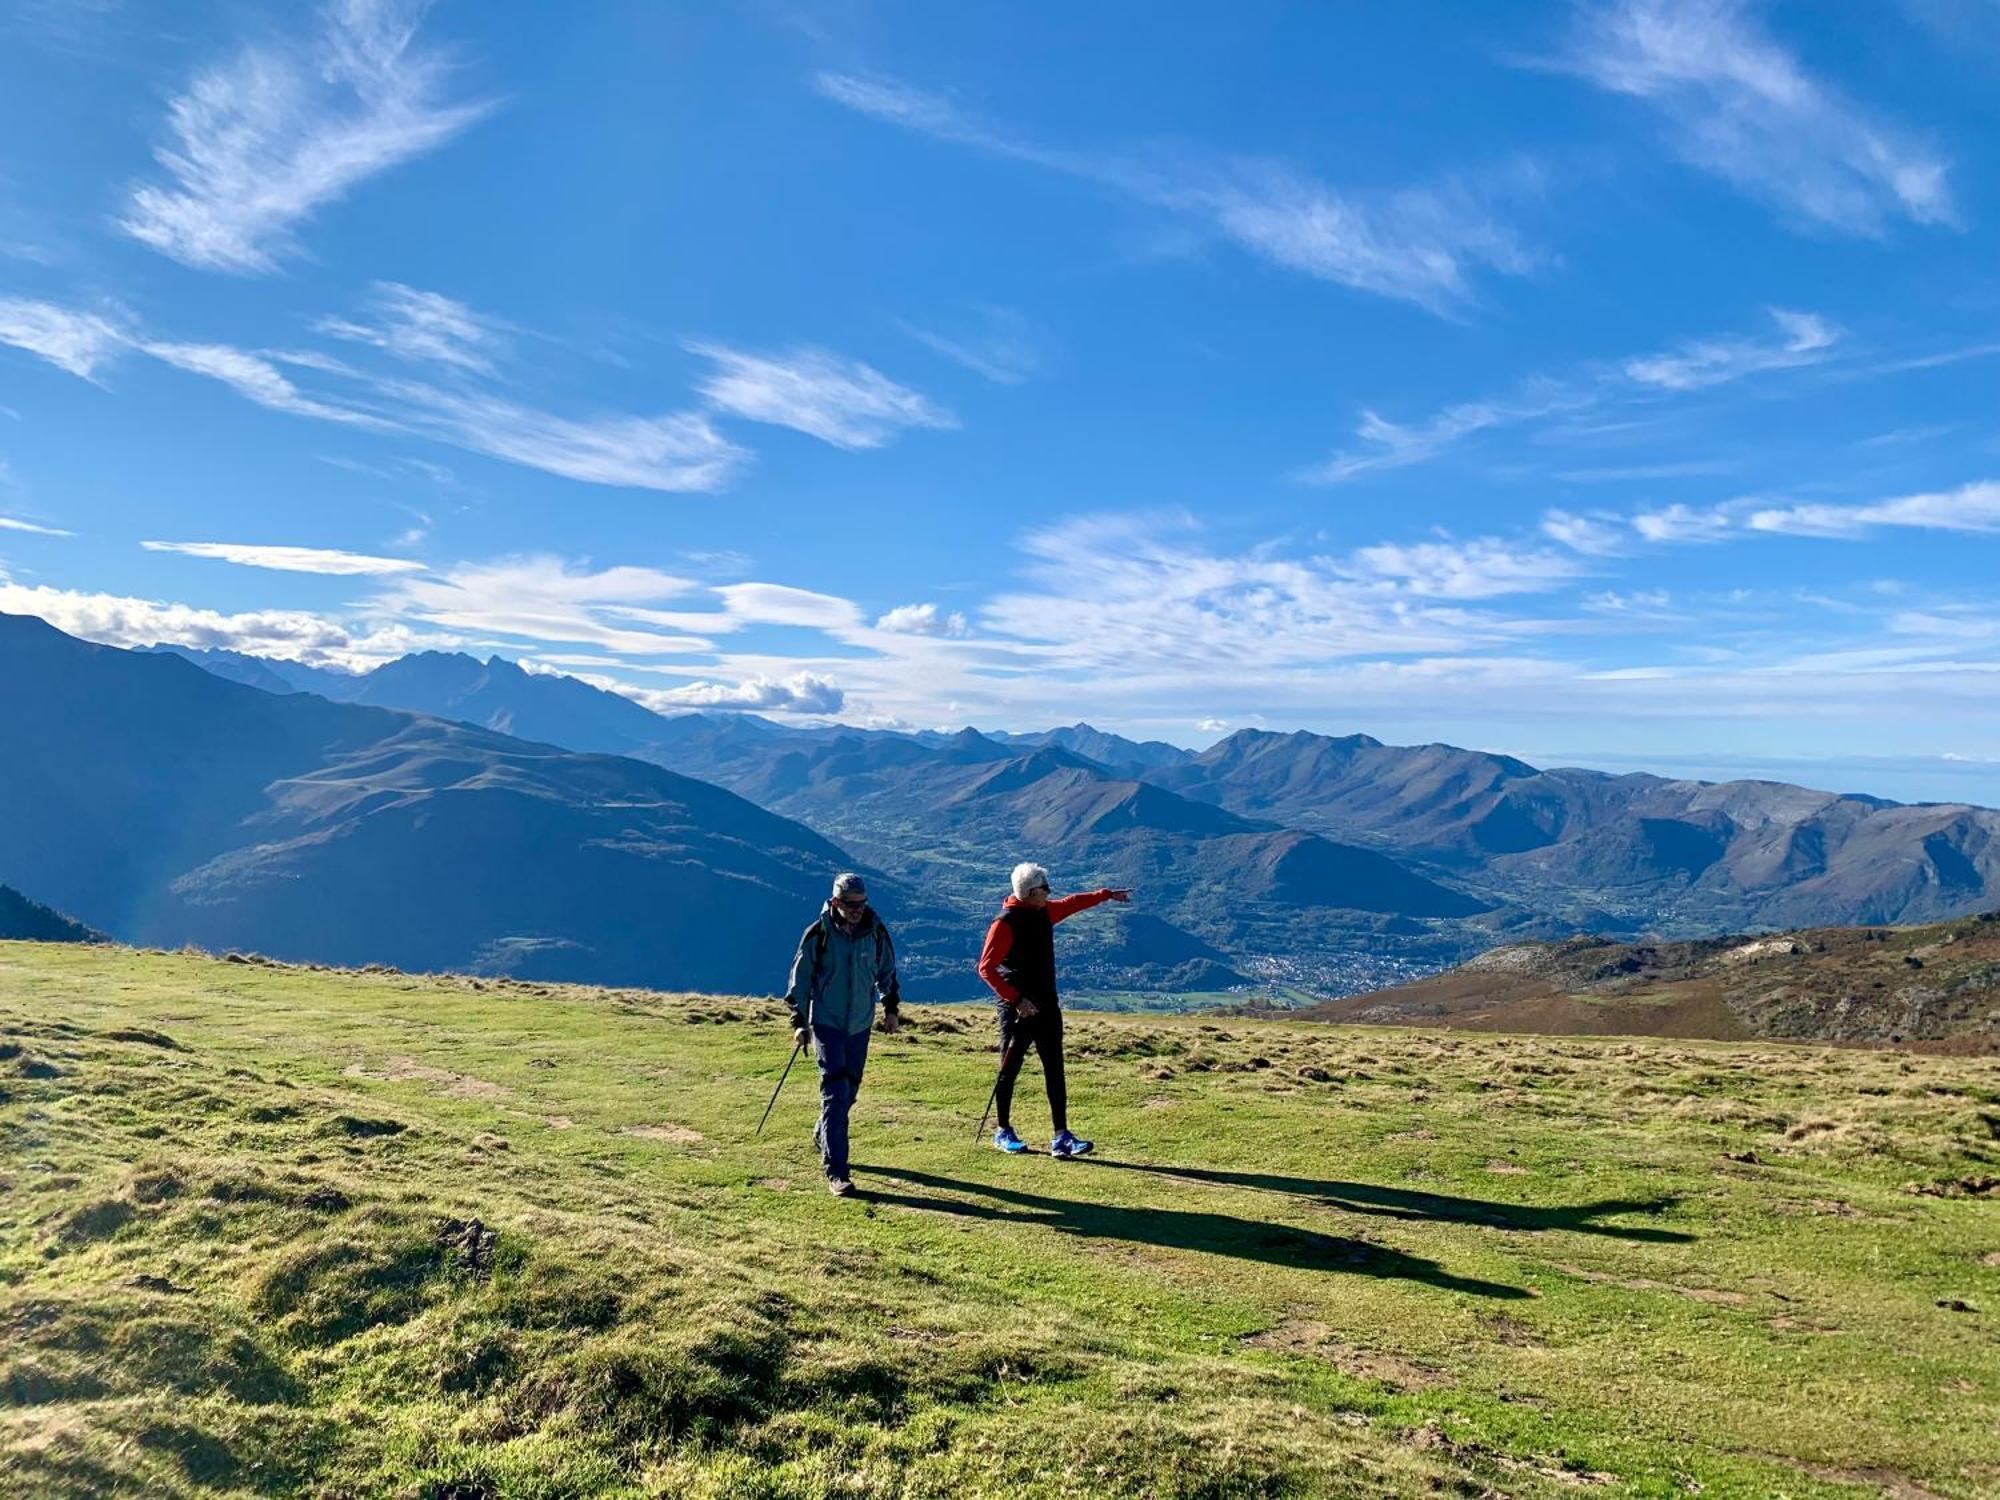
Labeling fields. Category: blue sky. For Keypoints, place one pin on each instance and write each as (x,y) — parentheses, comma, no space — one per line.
(1609,383)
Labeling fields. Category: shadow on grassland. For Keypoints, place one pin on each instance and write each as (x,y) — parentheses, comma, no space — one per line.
(1401,1203)
(1180,1229)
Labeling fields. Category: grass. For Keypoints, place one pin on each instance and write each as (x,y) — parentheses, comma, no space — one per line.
(275,1231)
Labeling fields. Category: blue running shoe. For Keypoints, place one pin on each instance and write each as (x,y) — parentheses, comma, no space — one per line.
(1004,1139)
(1065,1146)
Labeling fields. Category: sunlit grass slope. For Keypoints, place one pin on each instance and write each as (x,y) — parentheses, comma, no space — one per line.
(272,1231)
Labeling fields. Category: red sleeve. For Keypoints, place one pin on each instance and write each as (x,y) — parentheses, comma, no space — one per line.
(1069,906)
(999,943)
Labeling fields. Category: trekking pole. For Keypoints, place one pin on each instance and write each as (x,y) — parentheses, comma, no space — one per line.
(995,1094)
(796,1050)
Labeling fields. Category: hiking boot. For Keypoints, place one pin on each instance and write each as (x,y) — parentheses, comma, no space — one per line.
(840,1187)
(1065,1145)
(1004,1139)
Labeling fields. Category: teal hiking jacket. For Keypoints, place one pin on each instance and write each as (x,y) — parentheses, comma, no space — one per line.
(840,972)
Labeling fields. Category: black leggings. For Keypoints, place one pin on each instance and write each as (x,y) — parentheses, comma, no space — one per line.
(1042,1031)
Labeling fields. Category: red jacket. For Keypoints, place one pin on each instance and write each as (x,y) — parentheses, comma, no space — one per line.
(1000,937)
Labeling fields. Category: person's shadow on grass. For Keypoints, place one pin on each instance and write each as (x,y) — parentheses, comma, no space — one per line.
(1403,1203)
(1181,1229)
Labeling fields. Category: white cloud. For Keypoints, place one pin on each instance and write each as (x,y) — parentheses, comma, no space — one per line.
(1803,339)
(1481,569)
(1395,446)
(779,604)
(425,328)
(30,528)
(1681,523)
(546,599)
(839,401)
(1419,244)
(1655,605)
(74,341)
(292,635)
(1970,508)
(1592,535)
(922,619)
(292,559)
(1213,726)
(1736,102)
(258,146)
(1127,600)
(801,693)
(996,343)
(676,452)
(255,378)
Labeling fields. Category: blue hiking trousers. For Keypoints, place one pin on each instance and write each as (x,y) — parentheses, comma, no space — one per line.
(841,1056)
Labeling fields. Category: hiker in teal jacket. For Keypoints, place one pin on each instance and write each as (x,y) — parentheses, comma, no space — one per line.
(846,961)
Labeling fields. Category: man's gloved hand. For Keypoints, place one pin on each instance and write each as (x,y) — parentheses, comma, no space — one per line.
(1025,1008)
(891,1023)
(800,1036)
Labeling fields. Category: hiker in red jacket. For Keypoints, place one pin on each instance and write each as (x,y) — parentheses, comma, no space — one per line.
(1019,962)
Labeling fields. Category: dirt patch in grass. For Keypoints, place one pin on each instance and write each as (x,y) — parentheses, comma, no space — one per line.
(409,1070)
(1893,1486)
(1957,1187)
(1714,1295)
(1315,1340)
(679,1135)
(558,1122)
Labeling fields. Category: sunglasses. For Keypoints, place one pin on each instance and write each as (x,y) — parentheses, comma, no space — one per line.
(851,903)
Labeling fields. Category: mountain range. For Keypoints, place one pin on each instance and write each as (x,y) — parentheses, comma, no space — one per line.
(1330,864)
(166,805)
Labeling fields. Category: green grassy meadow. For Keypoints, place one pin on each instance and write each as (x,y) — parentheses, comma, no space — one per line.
(277,1231)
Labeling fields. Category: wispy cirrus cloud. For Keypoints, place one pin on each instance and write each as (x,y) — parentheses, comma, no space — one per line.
(79,342)
(673,452)
(1682,523)
(1802,339)
(1384,444)
(29,527)
(1594,536)
(1421,244)
(424,328)
(324,560)
(544,598)
(995,343)
(1735,101)
(1970,508)
(257,379)
(257,146)
(839,401)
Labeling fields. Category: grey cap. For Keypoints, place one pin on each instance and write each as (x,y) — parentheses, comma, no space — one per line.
(849,884)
